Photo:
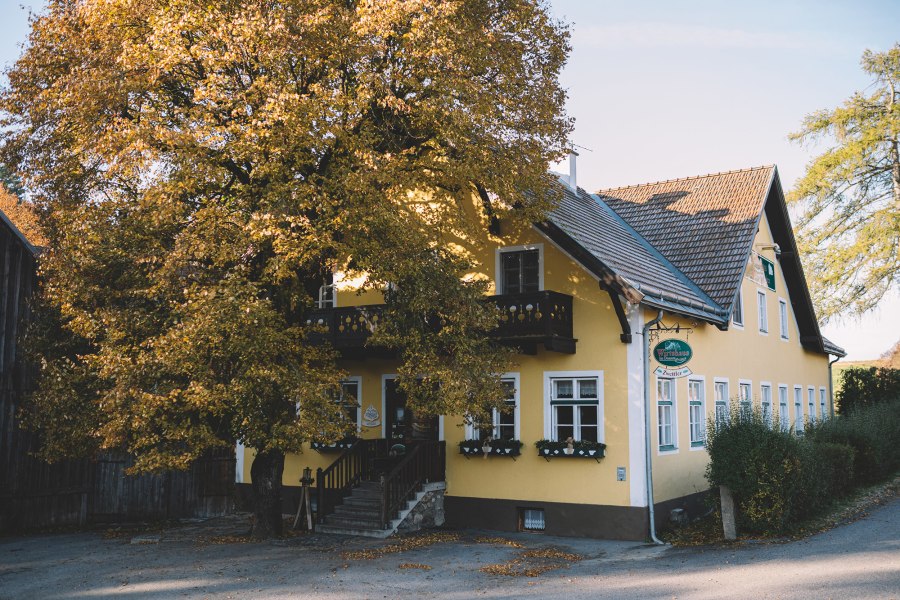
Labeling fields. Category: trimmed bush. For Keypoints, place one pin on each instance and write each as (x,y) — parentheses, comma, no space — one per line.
(779,479)
(769,471)
(874,435)
(866,386)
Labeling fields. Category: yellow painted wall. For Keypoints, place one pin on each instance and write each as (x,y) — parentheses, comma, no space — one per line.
(736,354)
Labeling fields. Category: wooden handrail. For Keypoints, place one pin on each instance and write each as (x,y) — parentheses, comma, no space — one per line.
(337,480)
(424,463)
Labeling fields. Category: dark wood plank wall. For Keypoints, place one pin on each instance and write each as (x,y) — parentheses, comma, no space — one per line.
(34,494)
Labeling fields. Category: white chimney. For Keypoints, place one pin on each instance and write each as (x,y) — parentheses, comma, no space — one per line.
(573,179)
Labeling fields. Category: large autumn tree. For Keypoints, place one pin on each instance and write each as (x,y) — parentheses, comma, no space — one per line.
(849,197)
(199,167)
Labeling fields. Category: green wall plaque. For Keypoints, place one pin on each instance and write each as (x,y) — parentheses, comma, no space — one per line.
(672,353)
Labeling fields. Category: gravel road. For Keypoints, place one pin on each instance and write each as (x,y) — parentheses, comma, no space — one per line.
(858,560)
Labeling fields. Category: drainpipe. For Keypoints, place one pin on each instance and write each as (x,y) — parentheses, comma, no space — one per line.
(831,385)
(648,455)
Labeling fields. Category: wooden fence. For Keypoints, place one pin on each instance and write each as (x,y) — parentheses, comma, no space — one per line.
(34,494)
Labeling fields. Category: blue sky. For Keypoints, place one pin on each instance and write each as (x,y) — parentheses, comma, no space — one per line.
(662,90)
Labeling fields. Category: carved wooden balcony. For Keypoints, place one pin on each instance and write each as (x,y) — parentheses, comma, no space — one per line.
(526,321)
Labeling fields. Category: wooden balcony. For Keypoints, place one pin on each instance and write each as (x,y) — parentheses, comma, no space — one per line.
(527,321)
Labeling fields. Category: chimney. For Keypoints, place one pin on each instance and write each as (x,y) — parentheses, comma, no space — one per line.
(573,179)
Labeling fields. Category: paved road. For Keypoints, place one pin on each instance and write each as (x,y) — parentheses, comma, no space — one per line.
(860,560)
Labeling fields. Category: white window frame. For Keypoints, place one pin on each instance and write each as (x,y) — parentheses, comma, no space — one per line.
(798,408)
(762,311)
(811,402)
(472,433)
(323,301)
(739,304)
(784,410)
(765,386)
(672,405)
(549,422)
(783,319)
(700,443)
(745,384)
(718,404)
(823,395)
(498,264)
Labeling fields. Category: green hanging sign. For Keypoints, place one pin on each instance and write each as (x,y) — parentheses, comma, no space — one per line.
(672,353)
(768,268)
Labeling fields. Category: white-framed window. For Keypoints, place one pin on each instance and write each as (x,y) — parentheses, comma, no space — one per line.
(350,399)
(823,413)
(783,318)
(765,401)
(574,405)
(811,401)
(720,395)
(666,415)
(697,411)
(505,424)
(520,269)
(737,317)
(762,311)
(327,293)
(745,395)
(798,408)
(784,415)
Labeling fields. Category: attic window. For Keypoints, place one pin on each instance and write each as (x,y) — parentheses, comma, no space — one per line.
(738,316)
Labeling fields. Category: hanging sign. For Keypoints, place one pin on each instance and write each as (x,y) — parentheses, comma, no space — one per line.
(672,353)
(679,372)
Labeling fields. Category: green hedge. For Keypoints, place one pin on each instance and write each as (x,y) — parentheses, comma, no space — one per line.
(778,478)
(866,386)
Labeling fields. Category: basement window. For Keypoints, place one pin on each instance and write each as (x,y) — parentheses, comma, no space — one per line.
(531,519)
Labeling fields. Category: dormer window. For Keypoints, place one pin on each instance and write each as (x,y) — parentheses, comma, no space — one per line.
(520,270)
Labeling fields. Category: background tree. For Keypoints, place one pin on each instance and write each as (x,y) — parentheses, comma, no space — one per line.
(200,166)
(22,214)
(849,198)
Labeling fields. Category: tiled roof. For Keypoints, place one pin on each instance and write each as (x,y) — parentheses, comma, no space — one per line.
(703,225)
(609,239)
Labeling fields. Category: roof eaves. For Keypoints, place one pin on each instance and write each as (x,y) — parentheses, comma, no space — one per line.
(608,278)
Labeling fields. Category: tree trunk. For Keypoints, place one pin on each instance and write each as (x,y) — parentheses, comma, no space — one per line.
(266,473)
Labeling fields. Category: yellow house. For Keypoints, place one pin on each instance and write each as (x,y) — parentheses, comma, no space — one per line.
(638,313)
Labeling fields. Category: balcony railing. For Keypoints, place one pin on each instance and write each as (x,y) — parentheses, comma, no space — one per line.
(526,321)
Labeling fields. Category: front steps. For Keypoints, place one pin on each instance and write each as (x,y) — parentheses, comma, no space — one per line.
(360,514)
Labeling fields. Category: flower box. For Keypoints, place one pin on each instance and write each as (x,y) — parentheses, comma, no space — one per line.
(549,449)
(338,446)
(511,448)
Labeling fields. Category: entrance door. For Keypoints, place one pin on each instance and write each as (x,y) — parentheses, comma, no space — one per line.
(401,424)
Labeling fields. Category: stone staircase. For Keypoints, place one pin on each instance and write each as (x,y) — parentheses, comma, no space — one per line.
(360,513)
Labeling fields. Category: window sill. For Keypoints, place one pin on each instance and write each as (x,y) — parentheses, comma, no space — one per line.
(698,445)
(667,449)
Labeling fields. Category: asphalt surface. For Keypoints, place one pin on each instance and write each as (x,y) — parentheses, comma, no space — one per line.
(858,560)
